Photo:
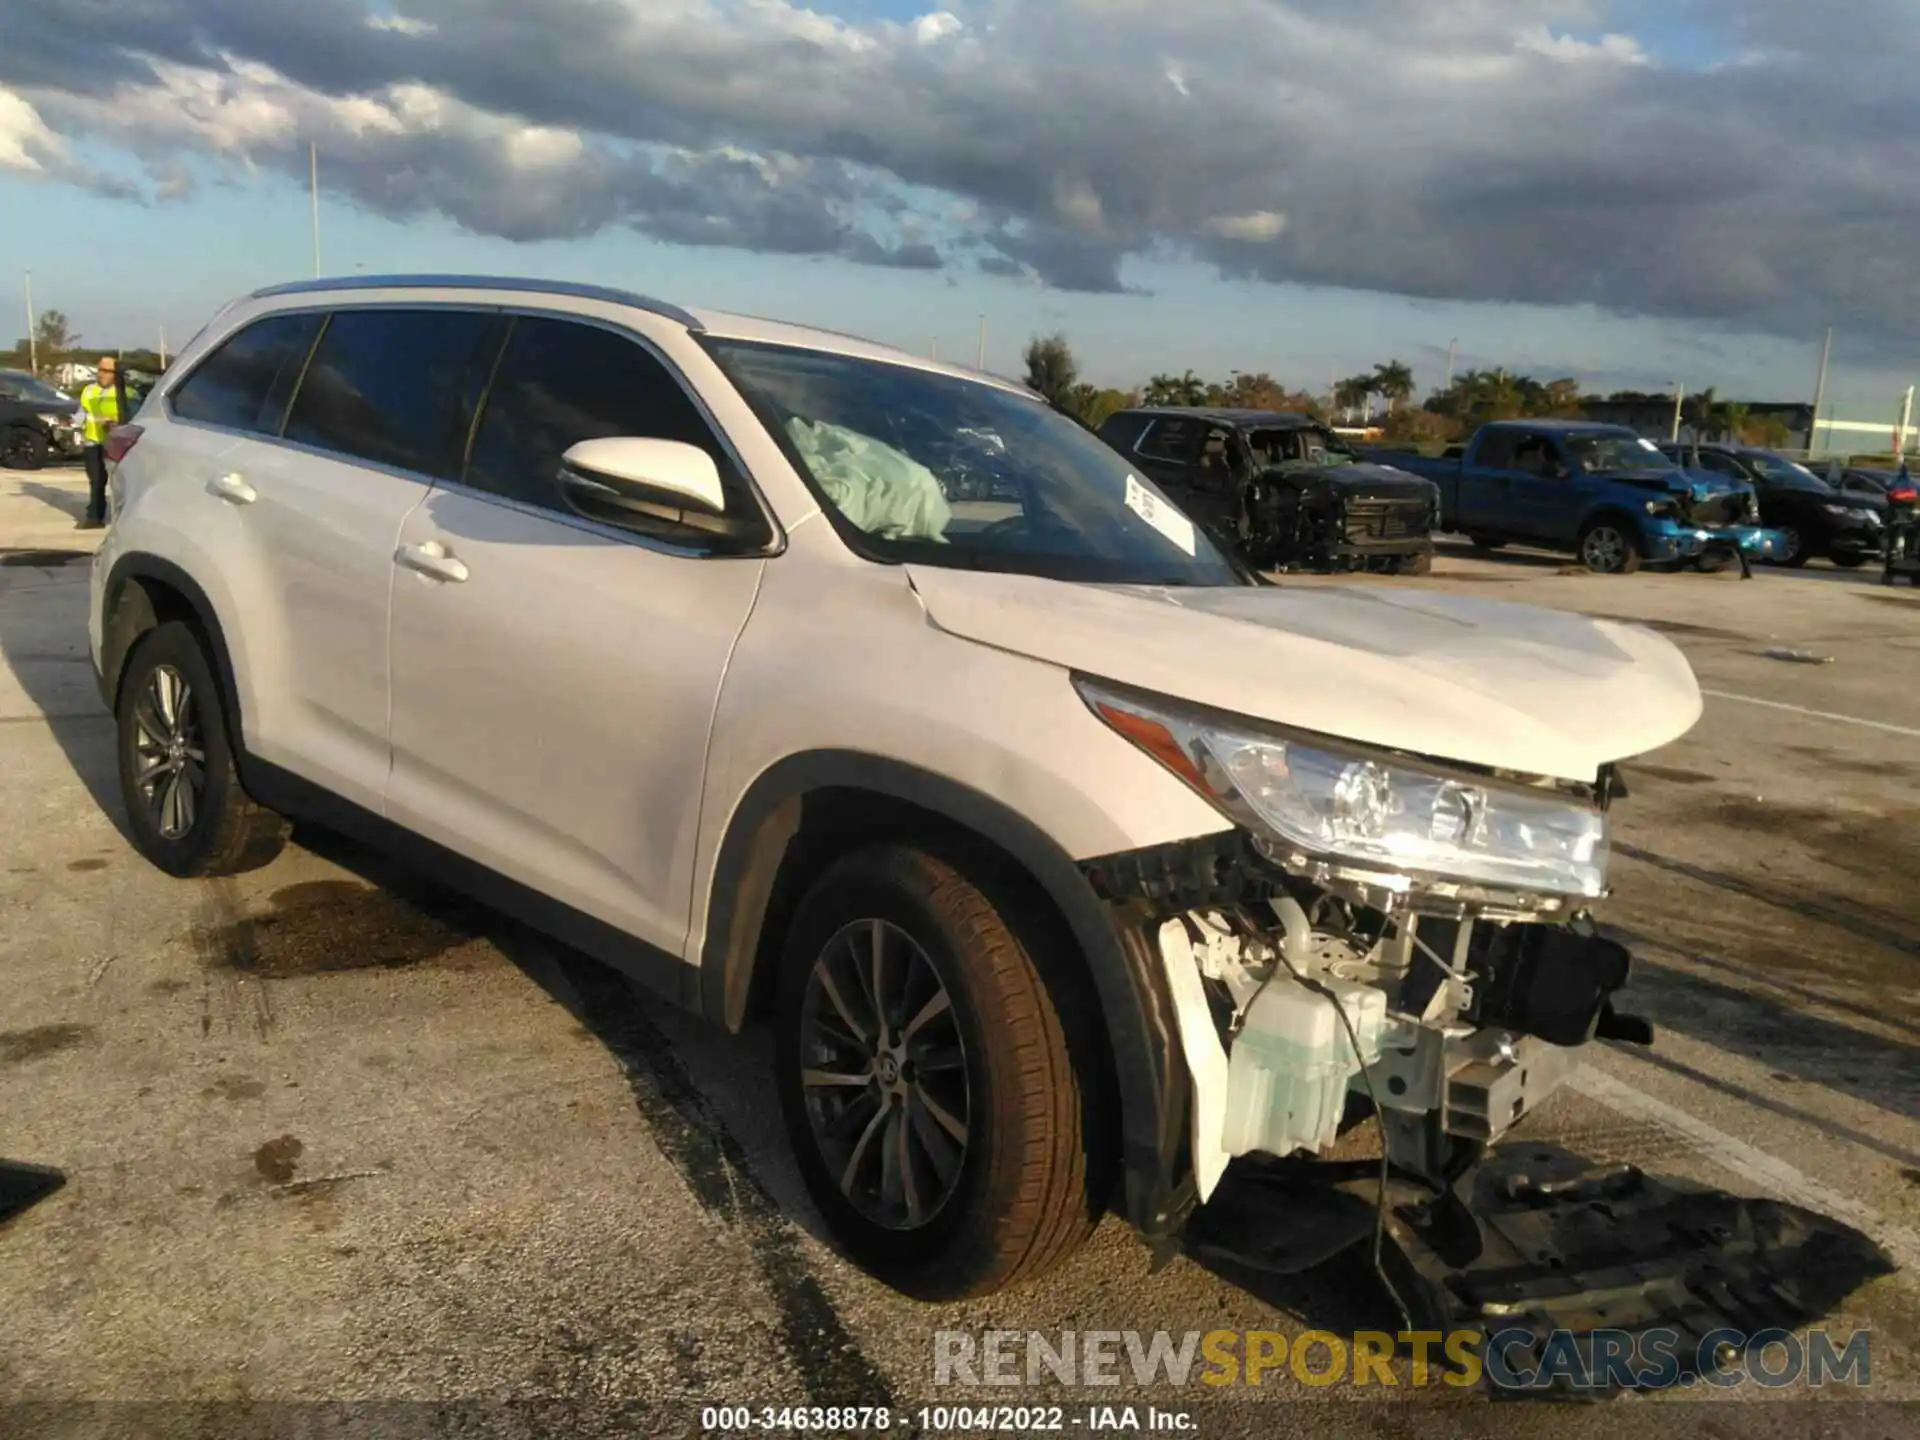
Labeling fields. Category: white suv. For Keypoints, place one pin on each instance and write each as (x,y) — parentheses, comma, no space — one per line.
(801,678)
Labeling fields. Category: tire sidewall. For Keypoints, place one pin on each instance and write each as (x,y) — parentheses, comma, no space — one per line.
(869,885)
(175,644)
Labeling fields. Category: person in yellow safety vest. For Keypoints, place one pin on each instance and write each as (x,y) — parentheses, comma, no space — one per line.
(101,403)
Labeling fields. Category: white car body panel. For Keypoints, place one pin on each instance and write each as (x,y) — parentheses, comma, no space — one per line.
(1453,677)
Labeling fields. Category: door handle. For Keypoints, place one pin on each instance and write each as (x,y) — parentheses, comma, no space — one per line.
(232,488)
(432,559)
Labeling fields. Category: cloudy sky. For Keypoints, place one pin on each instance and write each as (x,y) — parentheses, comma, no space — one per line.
(1630,191)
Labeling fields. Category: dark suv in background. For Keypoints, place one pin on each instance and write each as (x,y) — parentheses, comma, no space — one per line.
(1281,490)
(36,422)
(1813,517)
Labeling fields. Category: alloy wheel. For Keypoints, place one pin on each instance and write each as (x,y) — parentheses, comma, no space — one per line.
(170,758)
(1604,550)
(1789,542)
(884,1073)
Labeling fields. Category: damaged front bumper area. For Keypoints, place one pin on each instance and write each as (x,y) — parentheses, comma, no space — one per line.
(1304,1003)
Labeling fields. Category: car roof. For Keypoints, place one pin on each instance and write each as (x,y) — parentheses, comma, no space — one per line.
(1568,427)
(1226,415)
(719,324)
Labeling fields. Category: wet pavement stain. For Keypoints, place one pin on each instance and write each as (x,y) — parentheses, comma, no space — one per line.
(84,866)
(1671,774)
(43,559)
(167,987)
(327,926)
(1826,760)
(277,1159)
(234,1087)
(19,1046)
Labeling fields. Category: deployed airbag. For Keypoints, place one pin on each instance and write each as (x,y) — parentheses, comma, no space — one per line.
(880,489)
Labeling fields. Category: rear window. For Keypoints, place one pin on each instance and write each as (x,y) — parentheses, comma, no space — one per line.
(246,382)
(1175,441)
(388,386)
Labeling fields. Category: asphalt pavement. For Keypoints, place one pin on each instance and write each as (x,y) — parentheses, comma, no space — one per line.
(342,1148)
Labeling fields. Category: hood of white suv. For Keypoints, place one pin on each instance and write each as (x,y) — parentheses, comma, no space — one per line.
(1484,682)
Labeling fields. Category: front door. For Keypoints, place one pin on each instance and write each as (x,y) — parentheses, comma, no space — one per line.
(555,678)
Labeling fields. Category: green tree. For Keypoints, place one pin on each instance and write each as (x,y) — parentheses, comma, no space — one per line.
(1187,389)
(1393,382)
(54,335)
(1092,405)
(1051,369)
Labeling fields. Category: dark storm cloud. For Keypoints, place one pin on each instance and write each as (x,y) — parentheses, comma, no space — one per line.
(1484,150)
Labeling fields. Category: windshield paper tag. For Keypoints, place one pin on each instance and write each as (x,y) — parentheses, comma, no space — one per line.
(1160,515)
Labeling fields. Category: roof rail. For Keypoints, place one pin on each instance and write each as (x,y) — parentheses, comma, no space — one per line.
(482,282)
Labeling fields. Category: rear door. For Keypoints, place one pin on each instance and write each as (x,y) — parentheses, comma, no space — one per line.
(1484,504)
(370,425)
(555,678)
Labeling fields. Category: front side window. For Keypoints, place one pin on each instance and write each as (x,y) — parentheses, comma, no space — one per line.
(1613,454)
(386,385)
(246,382)
(561,382)
(1177,442)
(896,453)
(1785,473)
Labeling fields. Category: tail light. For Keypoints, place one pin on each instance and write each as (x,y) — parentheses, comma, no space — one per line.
(120,441)
(1905,495)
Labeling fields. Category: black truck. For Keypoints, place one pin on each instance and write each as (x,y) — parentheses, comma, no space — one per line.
(1281,490)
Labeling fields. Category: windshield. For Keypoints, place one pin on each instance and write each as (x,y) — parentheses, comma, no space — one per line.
(1306,446)
(940,470)
(22,386)
(1776,471)
(1610,454)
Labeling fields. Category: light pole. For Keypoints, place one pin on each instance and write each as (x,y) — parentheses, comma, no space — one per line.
(980,362)
(1679,399)
(1452,347)
(313,193)
(1819,393)
(33,340)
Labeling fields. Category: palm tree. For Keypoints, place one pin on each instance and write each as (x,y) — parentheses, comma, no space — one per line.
(1394,382)
(1187,389)
(1355,393)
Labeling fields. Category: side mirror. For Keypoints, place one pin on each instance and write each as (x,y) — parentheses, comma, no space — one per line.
(656,487)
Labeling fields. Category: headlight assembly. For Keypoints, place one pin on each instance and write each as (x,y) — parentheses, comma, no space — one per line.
(1315,799)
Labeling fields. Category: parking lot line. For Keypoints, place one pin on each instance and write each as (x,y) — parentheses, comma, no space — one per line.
(1816,714)
(1751,1163)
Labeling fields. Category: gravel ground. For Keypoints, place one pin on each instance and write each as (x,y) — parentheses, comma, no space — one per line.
(346,1154)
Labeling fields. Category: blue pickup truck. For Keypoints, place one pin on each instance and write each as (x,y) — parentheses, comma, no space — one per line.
(1599,491)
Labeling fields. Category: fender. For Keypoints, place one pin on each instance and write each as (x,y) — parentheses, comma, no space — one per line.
(1137,1010)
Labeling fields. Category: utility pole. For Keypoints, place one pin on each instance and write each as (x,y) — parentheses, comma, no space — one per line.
(163,347)
(1452,346)
(980,362)
(1906,420)
(33,340)
(936,347)
(1819,393)
(1679,399)
(313,192)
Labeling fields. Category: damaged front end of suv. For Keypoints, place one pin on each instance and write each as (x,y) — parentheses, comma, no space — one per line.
(1378,931)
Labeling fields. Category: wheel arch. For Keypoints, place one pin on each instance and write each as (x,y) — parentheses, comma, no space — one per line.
(143,592)
(807,809)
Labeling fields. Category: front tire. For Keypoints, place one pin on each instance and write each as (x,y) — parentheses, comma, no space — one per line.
(23,448)
(1848,561)
(1793,548)
(937,1113)
(186,809)
(1609,547)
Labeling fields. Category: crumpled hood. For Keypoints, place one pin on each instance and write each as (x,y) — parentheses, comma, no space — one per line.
(1691,483)
(1454,677)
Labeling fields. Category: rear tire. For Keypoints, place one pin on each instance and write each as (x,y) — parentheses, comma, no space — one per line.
(186,809)
(951,1156)
(1848,562)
